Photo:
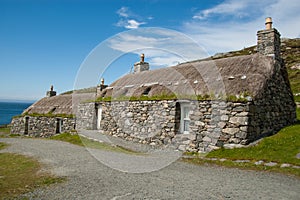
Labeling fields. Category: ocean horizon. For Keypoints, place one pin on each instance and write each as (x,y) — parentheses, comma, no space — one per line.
(9,109)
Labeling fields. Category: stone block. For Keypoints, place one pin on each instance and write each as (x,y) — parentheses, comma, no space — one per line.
(224,118)
(239,120)
(231,131)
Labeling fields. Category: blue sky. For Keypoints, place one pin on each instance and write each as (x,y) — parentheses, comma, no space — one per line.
(44,42)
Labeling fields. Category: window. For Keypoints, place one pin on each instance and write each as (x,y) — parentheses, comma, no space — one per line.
(98,116)
(146,92)
(185,118)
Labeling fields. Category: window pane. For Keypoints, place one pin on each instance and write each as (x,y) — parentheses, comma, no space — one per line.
(186,111)
(186,124)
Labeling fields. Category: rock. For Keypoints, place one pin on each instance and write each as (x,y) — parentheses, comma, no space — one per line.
(224,118)
(181,147)
(285,165)
(242,114)
(241,161)
(232,146)
(199,123)
(130,114)
(297,66)
(239,120)
(231,131)
(241,135)
(206,139)
(260,162)
(221,124)
(244,128)
(270,164)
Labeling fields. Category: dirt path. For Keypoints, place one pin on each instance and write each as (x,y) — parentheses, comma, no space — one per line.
(90,179)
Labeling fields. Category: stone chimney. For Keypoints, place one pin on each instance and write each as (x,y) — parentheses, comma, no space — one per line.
(268,41)
(51,93)
(102,85)
(141,66)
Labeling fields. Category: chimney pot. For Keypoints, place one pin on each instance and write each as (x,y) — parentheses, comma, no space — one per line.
(142,58)
(268,23)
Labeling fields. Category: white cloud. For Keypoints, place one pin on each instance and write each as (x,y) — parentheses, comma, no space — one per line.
(162,47)
(228,7)
(226,31)
(133,24)
(123,12)
(127,19)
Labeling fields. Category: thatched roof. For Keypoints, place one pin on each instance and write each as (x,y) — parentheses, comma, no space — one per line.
(227,76)
(61,104)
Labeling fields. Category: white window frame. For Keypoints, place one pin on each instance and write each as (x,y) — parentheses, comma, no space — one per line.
(99,116)
(184,118)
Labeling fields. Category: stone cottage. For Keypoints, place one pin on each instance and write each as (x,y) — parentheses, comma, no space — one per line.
(199,105)
(195,106)
(51,115)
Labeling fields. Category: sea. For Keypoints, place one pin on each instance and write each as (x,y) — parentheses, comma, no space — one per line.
(10,109)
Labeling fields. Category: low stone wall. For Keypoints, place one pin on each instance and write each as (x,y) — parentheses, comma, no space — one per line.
(40,126)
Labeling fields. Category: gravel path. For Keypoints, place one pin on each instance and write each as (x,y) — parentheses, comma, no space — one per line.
(90,179)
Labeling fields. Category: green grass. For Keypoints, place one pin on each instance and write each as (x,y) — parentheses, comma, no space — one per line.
(5,129)
(46,115)
(82,141)
(281,148)
(20,174)
(3,145)
(68,137)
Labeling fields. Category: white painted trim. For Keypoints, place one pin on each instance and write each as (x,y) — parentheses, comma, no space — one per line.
(99,116)
(183,107)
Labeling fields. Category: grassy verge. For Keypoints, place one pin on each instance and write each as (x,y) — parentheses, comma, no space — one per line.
(20,174)
(5,129)
(280,148)
(82,141)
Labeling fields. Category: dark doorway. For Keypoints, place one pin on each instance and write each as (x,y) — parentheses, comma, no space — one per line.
(26,125)
(58,125)
(177,118)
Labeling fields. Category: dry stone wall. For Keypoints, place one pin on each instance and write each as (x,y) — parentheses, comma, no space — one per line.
(275,108)
(86,116)
(151,122)
(41,126)
(212,123)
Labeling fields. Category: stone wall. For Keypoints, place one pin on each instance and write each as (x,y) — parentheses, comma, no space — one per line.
(275,107)
(86,116)
(41,126)
(212,123)
(151,122)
